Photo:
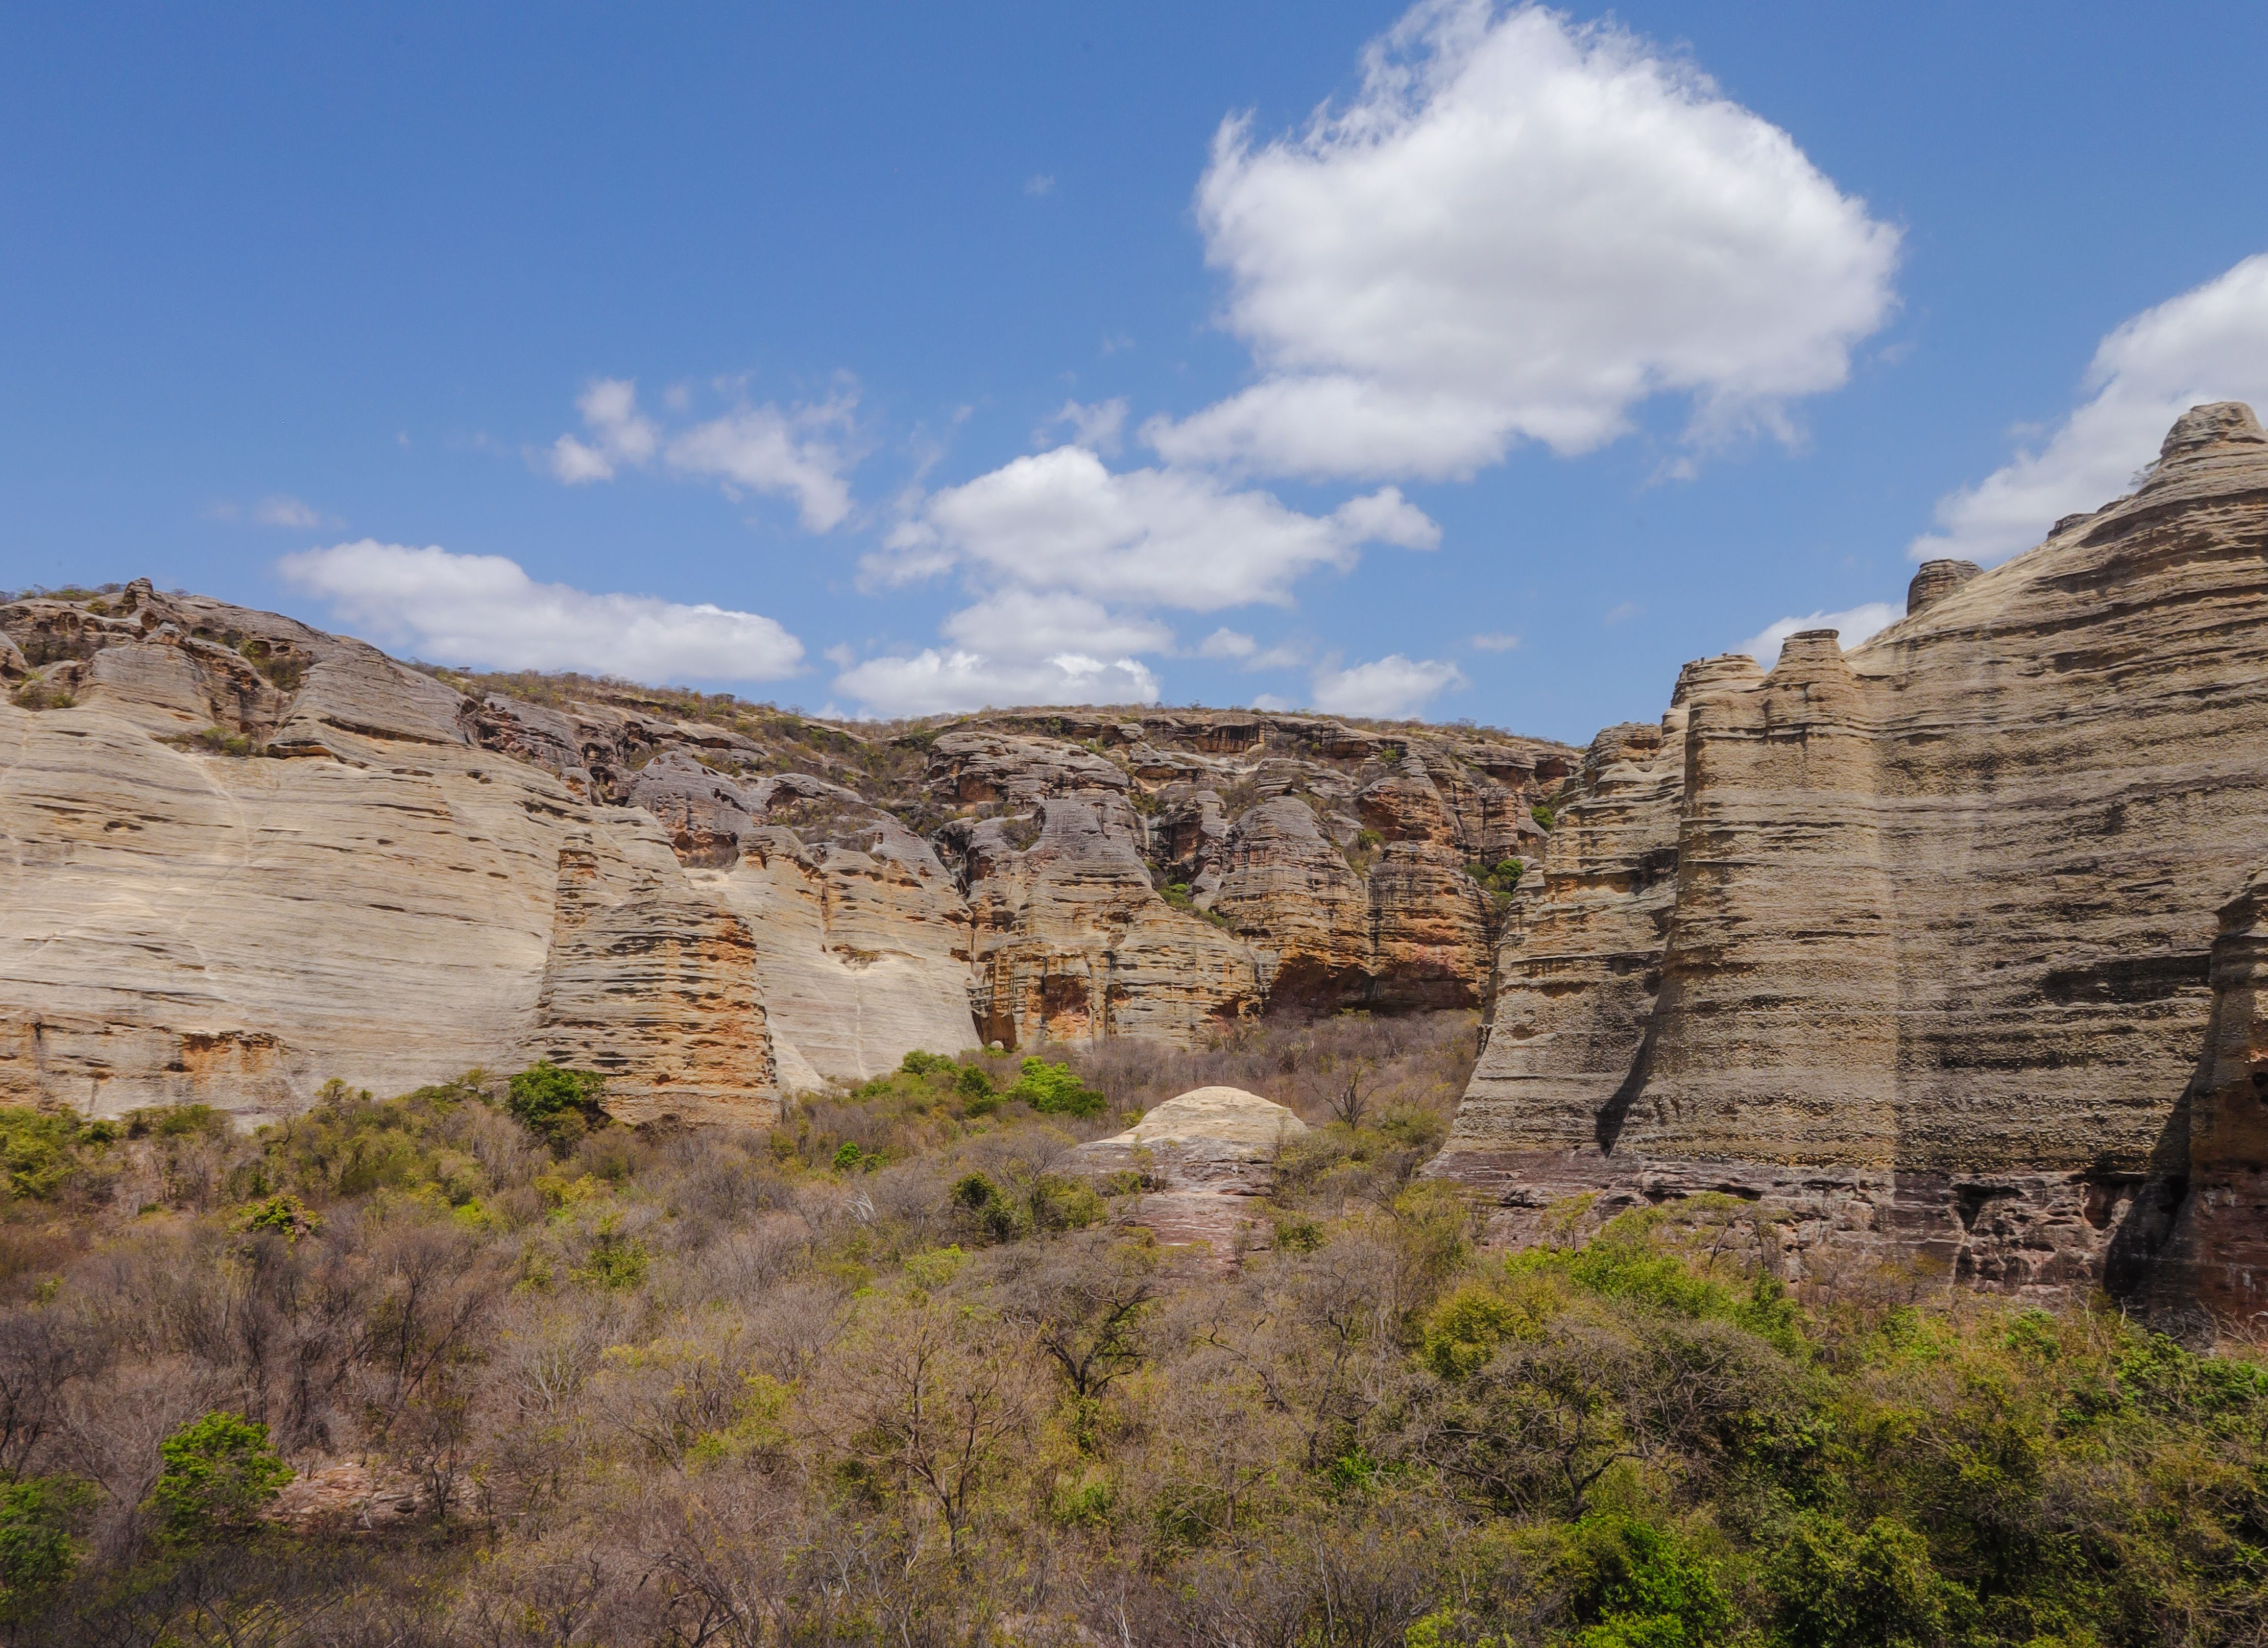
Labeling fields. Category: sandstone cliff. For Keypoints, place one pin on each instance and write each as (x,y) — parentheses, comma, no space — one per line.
(238,856)
(1912,946)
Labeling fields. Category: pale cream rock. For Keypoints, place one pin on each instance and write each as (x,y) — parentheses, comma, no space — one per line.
(865,955)
(1204,1158)
(1227,1117)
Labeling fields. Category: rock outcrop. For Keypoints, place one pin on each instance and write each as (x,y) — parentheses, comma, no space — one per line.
(375,898)
(1912,945)
(238,856)
(1202,1159)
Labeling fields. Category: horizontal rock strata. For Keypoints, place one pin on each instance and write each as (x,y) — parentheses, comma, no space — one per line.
(240,857)
(1911,945)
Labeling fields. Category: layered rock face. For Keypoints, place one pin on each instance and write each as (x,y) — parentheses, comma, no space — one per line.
(380,899)
(1911,944)
(238,856)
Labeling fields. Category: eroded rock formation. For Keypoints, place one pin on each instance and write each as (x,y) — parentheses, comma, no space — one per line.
(238,856)
(1912,945)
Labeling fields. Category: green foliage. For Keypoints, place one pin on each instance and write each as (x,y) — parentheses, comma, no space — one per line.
(176,1122)
(220,1473)
(1646,1588)
(614,1260)
(350,1144)
(1500,879)
(1056,1090)
(36,1552)
(1543,815)
(973,1084)
(40,1150)
(1830,1588)
(560,1106)
(282,1213)
(850,1158)
(994,1214)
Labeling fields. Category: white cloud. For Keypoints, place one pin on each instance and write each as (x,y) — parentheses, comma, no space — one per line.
(1060,519)
(1389,686)
(788,453)
(843,655)
(1025,624)
(1098,427)
(933,681)
(1520,228)
(1040,183)
(2208,344)
(1495,642)
(1623,610)
(1856,624)
(1224,643)
(281,509)
(486,610)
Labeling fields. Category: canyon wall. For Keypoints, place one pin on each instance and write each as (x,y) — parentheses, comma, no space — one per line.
(1919,947)
(240,857)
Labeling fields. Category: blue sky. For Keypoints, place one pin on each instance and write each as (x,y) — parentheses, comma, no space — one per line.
(896,358)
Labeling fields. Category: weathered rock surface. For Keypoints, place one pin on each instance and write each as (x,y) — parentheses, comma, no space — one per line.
(1911,944)
(378,900)
(238,856)
(1204,1157)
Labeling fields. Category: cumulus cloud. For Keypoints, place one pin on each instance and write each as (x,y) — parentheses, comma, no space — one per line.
(486,610)
(1225,643)
(1061,520)
(2208,344)
(1390,687)
(1520,228)
(795,452)
(1856,624)
(935,680)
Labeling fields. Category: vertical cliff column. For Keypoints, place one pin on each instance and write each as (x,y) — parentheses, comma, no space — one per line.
(1578,966)
(2218,1255)
(655,988)
(1777,1033)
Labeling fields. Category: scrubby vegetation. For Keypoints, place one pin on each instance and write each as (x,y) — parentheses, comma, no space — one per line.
(891,1372)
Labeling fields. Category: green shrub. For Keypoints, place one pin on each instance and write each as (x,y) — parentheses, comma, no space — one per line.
(994,1213)
(1056,1090)
(39,1149)
(614,1260)
(283,1213)
(220,1473)
(1830,1588)
(1645,1589)
(1543,815)
(36,1553)
(559,1106)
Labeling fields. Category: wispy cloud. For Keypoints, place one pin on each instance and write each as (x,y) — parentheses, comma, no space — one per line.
(797,452)
(2208,344)
(1855,624)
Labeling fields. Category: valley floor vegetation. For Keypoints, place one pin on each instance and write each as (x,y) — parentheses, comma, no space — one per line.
(472,1366)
